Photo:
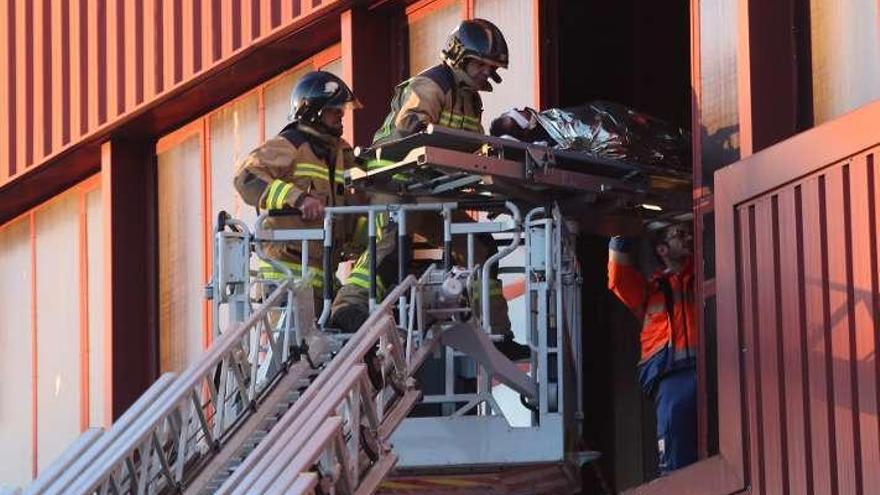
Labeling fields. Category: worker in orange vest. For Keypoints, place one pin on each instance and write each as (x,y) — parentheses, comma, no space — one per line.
(665,305)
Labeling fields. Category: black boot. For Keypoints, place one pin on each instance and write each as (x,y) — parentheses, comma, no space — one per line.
(514,351)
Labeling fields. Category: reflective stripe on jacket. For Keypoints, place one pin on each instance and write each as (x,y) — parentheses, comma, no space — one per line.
(665,305)
(297,161)
(436,96)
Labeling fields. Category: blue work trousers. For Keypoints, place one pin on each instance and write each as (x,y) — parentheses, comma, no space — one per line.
(676,405)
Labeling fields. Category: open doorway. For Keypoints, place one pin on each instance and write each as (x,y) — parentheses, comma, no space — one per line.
(638,54)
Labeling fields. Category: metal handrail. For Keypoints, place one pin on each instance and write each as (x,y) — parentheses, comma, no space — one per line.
(380,323)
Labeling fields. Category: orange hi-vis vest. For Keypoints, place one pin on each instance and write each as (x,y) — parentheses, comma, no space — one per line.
(665,305)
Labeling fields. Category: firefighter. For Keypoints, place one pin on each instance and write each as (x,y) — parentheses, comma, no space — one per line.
(665,305)
(446,95)
(302,167)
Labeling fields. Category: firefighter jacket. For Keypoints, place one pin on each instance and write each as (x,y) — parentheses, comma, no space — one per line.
(439,96)
(298,161)
(665,305)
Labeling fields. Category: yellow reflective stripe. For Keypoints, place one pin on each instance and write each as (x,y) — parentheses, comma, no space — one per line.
(277,195)
(314,167)
(473,127)
(377,164)
(361,278)
(340,177)
(311,171)
(282,196)
(311,175)
(269,272)
(450,119)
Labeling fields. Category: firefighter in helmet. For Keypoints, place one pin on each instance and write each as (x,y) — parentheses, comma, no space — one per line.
(444,95)
(302,167)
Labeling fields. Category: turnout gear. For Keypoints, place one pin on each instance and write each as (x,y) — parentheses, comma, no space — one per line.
(299,161)
(315,92)
(440,96)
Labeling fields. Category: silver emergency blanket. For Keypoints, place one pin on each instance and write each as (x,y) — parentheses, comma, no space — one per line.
(610,130)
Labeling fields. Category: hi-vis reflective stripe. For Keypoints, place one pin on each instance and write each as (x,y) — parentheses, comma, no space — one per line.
(340,176)
(450,119)
(311,171)
(268,271)
(377,164)
(276,198)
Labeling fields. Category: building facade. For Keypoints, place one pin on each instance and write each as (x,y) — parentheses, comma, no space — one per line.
(121,120)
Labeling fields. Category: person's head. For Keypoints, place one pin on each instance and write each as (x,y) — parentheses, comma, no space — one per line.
(519,124)
(478,49)
(674,244)
(320,100)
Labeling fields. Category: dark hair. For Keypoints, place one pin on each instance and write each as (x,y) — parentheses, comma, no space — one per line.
(658,237)
(505,125)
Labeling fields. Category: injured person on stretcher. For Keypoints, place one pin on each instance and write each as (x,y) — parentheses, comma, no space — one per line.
(605,129)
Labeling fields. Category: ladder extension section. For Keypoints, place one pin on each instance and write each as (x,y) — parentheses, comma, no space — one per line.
(180,422)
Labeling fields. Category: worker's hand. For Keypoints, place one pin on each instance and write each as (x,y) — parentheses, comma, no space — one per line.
(621,244)
(312,208)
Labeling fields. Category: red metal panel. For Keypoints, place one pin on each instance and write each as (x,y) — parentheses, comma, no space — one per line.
(748,323)
(809,271)
(772,462)
(793,344)
(837,284)
(863,313)
(79,49)
(6,53)
(129,75)
(188,42)
(58,63)
(115,62)
(91,74)
(100,95)
(41,127)
(819,379)
(73,66)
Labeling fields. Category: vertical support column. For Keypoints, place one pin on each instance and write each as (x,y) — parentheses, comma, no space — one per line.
(128,189)
(366,53)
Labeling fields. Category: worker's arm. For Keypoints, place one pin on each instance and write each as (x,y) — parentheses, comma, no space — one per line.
(421,105)
(263,177)
(624,279)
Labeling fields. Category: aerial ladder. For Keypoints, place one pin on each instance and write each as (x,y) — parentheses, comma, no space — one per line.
(282,403)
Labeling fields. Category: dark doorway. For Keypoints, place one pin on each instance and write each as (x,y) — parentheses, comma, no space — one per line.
(636,53)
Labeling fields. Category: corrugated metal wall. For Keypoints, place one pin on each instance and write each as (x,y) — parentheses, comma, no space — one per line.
(76,66)
(808,302)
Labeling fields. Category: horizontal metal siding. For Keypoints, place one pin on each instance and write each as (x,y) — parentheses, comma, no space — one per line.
(808,292)
(73,67)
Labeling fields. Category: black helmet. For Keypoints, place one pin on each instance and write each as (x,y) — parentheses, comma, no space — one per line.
(478,39)
(316,91)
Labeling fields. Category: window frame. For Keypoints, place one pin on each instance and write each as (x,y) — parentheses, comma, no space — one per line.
(80,190)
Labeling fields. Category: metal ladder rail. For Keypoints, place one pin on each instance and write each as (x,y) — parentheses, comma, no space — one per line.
(152,445)
(73,452)
(379,326)
(58,478)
